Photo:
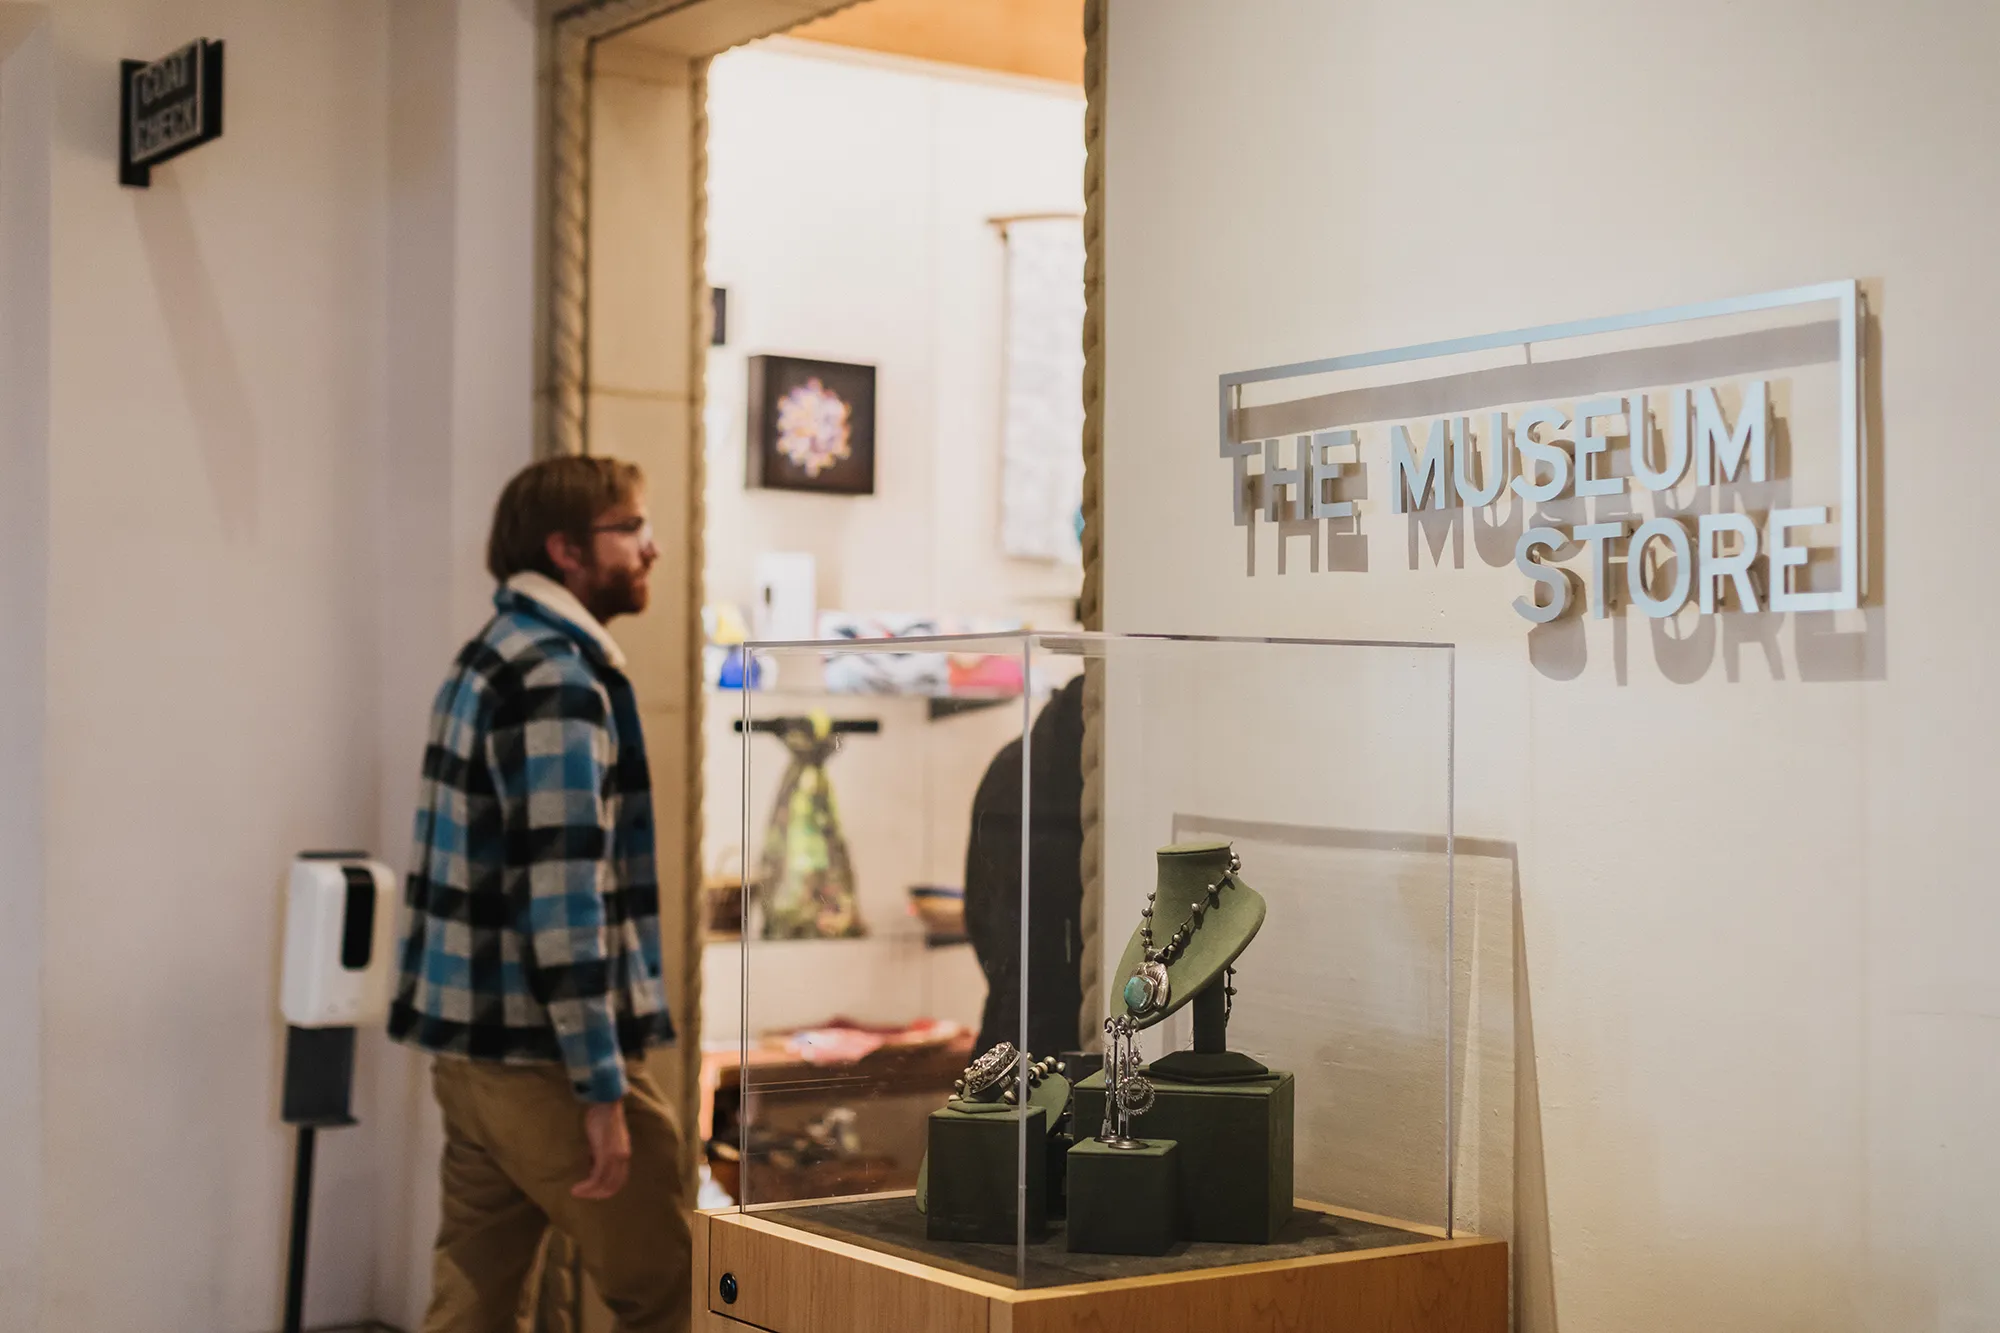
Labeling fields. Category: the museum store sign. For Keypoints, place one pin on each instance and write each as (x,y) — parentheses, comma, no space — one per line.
(1597,475)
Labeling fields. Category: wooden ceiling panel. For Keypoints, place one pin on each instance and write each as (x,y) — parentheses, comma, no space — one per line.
(707,27)
(1040,38)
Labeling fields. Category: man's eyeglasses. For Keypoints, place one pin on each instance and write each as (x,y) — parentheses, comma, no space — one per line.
(642,528)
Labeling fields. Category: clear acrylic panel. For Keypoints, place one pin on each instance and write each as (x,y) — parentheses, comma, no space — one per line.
(1016,769)
(861,992)
(1327,767)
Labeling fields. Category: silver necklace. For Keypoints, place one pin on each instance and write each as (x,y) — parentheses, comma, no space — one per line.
(1147,989)
(1127,1091)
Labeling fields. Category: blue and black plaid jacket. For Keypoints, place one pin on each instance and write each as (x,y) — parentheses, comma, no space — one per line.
(534,918)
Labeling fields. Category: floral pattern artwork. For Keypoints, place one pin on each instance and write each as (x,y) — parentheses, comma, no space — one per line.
(813,427)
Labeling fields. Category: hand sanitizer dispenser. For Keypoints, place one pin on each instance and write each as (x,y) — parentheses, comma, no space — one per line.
(340,912)
(340,915)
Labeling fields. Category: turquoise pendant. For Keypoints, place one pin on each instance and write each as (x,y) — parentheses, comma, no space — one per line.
(1146,990)
(1136,992)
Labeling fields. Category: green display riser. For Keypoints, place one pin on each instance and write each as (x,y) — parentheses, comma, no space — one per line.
(1126,1200)
(973,1189)
(1233,1149)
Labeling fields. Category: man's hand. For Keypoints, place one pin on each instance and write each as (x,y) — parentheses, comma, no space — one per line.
(610,1151)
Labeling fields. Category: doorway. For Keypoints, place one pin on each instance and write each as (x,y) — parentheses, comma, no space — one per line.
(629,370)
(892,425)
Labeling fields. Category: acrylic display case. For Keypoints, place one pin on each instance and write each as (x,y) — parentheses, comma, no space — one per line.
(1290,1069)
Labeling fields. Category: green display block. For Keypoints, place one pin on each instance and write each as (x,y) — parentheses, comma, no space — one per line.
(1235,1151)
(973,1177)
(1123,1200)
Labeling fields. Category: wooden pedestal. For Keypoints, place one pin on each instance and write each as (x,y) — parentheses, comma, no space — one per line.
(788,1280)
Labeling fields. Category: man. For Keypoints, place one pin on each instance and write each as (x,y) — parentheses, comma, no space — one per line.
(531,967)
(1055,869)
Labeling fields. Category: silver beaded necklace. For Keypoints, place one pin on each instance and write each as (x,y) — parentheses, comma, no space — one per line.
(1147,989)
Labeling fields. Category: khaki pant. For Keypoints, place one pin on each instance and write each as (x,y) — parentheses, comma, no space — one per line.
(514,1145)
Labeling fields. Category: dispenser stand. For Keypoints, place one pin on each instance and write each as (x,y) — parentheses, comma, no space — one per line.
(319,1078)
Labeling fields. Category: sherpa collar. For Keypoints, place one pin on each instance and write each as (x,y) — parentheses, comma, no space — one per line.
(563,604)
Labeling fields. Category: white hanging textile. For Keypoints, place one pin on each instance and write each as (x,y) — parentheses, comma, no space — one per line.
(1041,490)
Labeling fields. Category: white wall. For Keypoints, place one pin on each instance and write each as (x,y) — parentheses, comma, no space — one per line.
(1757,921)
(25,74)
(848,199)
(218,383)
(283,386)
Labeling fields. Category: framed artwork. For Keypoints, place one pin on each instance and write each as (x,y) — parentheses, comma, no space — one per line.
(812,426)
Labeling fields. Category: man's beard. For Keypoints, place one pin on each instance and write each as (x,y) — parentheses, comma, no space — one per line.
(617,593)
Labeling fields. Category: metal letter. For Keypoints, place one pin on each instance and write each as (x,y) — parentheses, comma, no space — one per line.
(1409,481)
(1555,579)
(1589,444)
(1785,557)
(1713,435)
(1276,478)
(1670,475)
(1465,453)
(1736,567)
(1319,471)
(1852,505)
(1535,451)
(1598,535)
(1239,456)
(1676,534)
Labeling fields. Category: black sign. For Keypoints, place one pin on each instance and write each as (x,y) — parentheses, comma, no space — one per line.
(166,108)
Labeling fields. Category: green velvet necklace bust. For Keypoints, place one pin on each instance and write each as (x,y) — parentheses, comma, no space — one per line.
(1203,917)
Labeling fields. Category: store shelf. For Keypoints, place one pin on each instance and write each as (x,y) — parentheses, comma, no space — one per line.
(875,979)
(936,707)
